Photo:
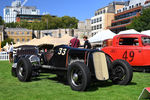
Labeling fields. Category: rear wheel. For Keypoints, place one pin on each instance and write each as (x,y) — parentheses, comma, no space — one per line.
(24,70)
(78,76)
(122,72)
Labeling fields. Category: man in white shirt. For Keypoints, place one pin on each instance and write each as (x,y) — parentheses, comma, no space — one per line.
(10,51)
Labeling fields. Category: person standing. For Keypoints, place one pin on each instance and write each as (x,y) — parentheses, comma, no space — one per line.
(75,42)
(87,44)
(10,51)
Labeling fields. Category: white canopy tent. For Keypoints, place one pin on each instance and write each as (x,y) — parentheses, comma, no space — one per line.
(131,31)
(147,32)
(101,36)
(33,42)
(18,44)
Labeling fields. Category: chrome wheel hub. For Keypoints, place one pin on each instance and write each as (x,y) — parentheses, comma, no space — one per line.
(21,71)
(75,77)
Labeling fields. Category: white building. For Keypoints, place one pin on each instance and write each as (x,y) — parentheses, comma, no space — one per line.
(10,12)
(103,17)
(132,4)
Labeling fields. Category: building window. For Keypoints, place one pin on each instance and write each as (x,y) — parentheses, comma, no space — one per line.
(94,20)
(101,12)
(22,33)
(104,11)
(97,20)
(28,33)
(95,14)
(22,40)
(127,15)
(97,26)
(123,9)
(117,11)
(12,33)
(33,10)
(17,33)
(7,12)
(100,19)
(18,40)
(100,26)
(94,27)
(92,34)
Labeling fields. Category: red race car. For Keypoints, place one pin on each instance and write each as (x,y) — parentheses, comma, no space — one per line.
(134,48)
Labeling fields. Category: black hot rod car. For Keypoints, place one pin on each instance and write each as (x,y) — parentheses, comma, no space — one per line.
(77,65)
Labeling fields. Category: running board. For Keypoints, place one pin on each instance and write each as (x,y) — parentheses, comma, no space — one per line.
(52,67)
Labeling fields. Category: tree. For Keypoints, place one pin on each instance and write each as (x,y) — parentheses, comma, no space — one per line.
(24,24)
(142,22)
(69,22)
(47,22)
(1,21)
(8,40)
(12,25)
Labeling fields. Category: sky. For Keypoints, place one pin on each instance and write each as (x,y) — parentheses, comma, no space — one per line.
(81,9)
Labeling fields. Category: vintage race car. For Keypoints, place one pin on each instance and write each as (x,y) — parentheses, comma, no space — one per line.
(134,48)
(77,65)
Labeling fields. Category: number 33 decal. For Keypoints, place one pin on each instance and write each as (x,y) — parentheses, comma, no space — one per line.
(62,51)
(129,56)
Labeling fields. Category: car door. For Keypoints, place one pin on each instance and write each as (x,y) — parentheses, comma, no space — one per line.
(145,43)
(129,50)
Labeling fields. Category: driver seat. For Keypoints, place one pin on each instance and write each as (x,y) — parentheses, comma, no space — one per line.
(46,57)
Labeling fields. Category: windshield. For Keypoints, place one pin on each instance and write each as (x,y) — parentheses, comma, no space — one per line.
(146,40)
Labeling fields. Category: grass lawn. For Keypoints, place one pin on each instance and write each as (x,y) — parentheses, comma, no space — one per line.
(47,87)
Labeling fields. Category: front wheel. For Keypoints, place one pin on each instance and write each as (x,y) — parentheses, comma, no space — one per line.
(24,70)
(78,76)
(122,72)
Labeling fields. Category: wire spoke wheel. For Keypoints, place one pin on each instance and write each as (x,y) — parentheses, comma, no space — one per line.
(119,72)
(122,72)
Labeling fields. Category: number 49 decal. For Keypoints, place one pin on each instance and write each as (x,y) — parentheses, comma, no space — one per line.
(129,56)
(62,51)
